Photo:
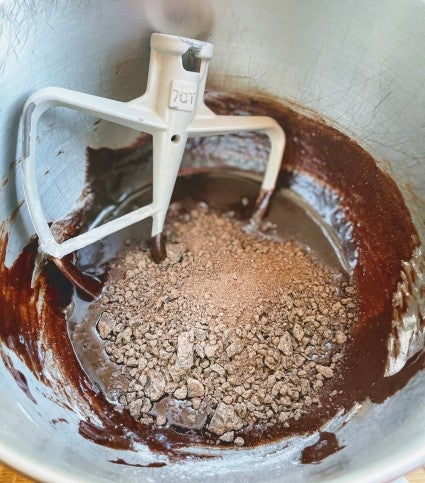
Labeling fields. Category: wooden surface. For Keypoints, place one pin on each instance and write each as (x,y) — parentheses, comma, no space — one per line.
(9,476)
(417,476)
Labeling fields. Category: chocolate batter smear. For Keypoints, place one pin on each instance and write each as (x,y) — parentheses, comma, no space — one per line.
(157,247)
(89,286)
(325,446)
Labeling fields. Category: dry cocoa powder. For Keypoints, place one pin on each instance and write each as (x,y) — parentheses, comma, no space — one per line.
(233,329)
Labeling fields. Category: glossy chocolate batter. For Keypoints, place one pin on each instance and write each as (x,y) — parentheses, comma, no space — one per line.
(367,213)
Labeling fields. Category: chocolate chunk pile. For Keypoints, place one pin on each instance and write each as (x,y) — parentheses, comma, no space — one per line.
(232,330)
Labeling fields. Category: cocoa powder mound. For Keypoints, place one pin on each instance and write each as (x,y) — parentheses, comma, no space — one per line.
(234,329)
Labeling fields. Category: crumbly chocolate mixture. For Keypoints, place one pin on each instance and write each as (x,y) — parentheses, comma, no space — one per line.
(233,329)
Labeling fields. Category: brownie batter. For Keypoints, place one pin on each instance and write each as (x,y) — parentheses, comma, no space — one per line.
(360,202)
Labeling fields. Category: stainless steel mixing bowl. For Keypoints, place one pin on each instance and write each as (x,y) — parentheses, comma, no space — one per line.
(361,64)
